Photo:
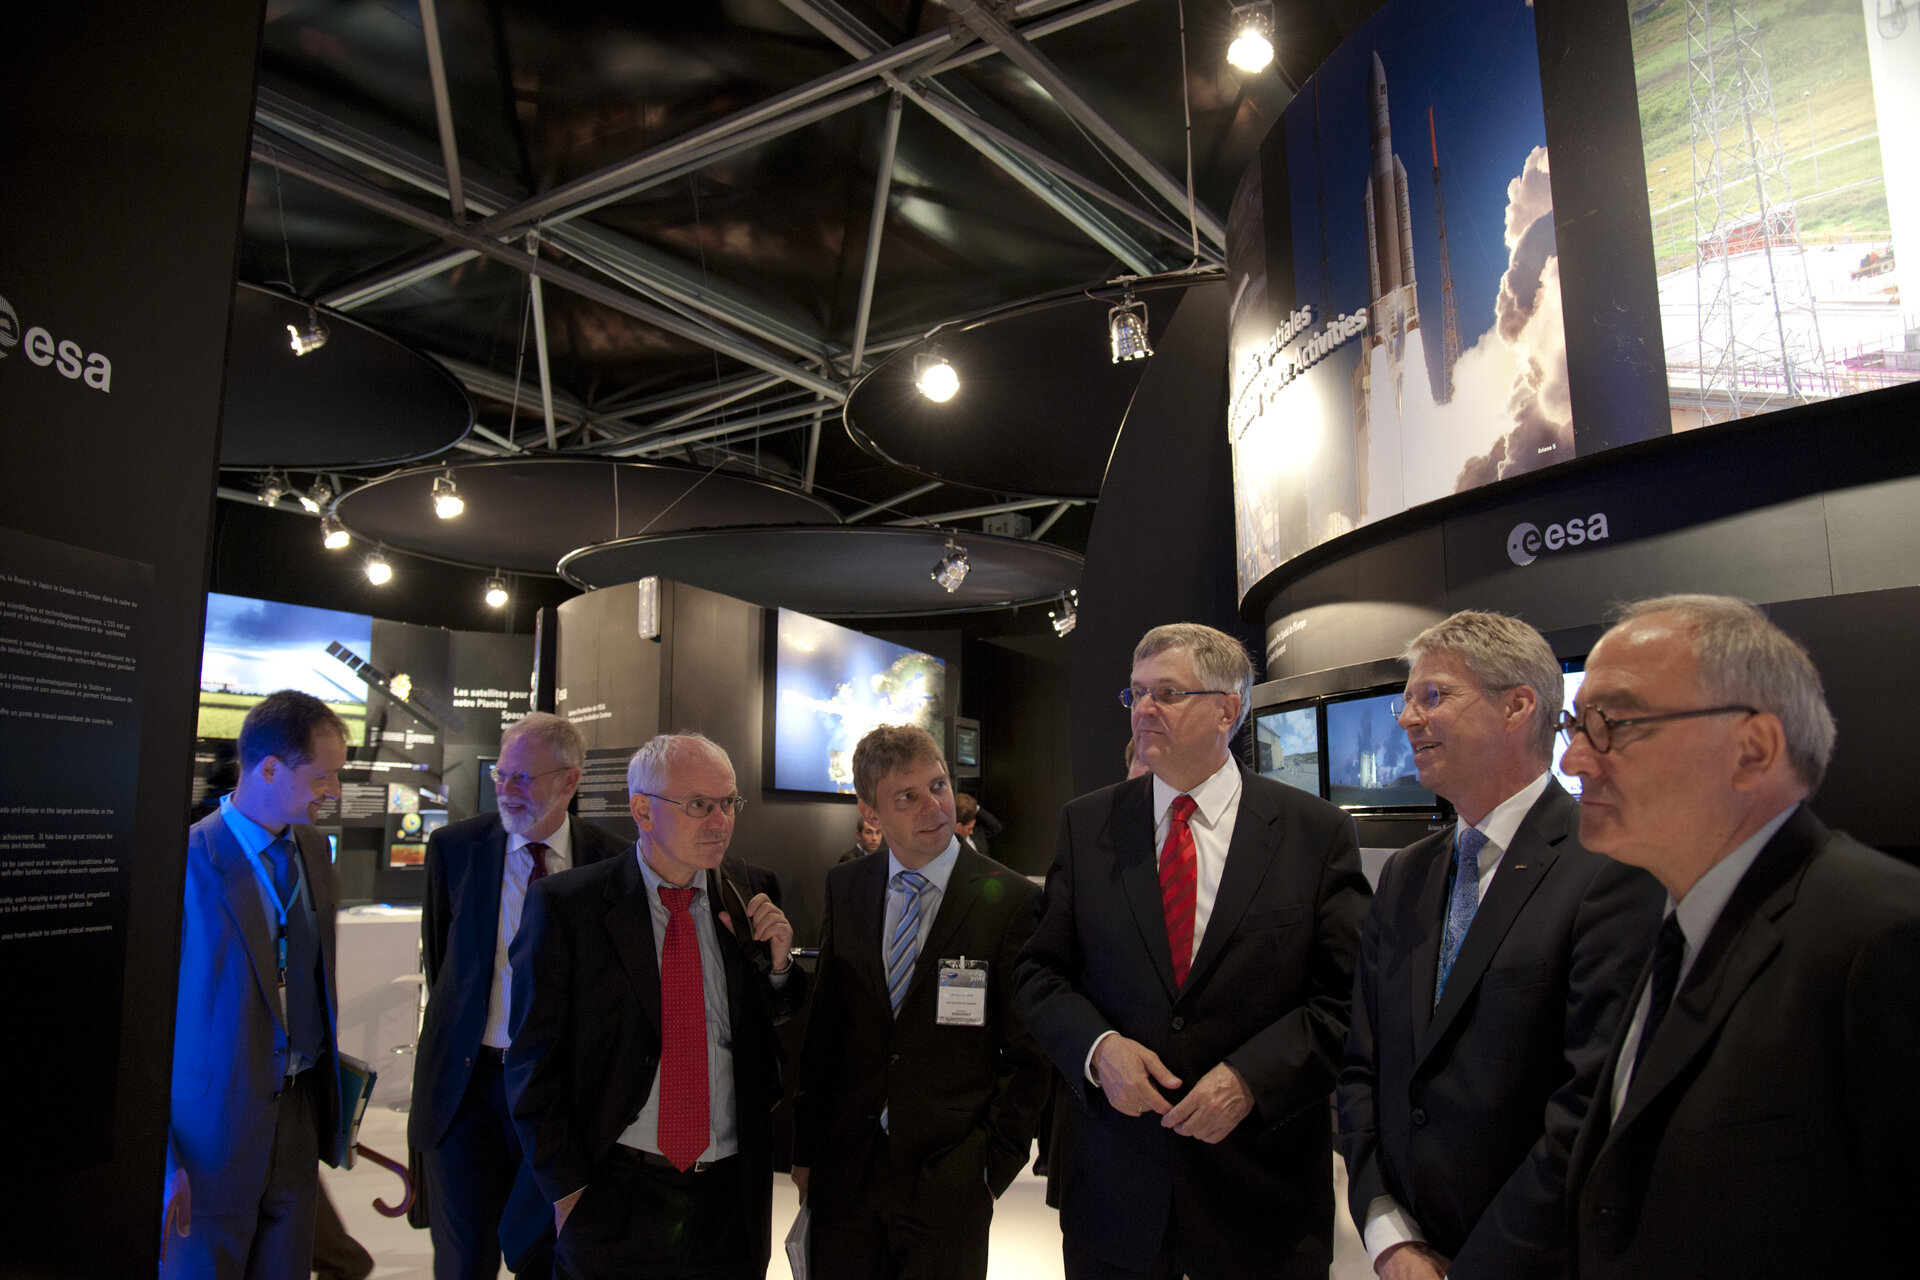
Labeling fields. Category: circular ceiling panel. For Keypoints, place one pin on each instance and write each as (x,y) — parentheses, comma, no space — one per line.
(836,571)
(523,515)
(1039,404)
(360,400)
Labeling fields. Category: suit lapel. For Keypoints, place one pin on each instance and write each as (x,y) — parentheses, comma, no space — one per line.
(1135,862)
(240,890)
(1250,856)
(1522,870)
(629,922)
(317,867)
(963,890)
(1430,914)
(864,916)
(1742,943)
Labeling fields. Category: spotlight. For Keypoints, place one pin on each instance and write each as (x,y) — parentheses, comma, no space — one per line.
(270,490)
(934,376)
(952,568)
(379,572)
(1127,329)
(315,500)
(496,591)
(447,502)
(310,339)
(332,536)
(1252,47)
(1068,616)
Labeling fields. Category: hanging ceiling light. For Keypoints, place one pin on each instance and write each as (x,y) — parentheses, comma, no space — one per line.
(934,376)
(447,502)
(379,572)
(1127,329)
(1067,617)
(1252,47)
(315,500)
(272,487)
(310,339)
(333,535)
(952,568)
(496,591)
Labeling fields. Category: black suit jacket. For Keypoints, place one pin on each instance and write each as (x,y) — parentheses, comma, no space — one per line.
(1268,992)
(586,1024)
(459,924)
(961,1100)
(1772,1127)
(1464,1114)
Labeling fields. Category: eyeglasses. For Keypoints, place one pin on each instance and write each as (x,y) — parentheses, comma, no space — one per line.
(1599,726)
(522,779)
(701,806)
(1165,695)
(1425,698)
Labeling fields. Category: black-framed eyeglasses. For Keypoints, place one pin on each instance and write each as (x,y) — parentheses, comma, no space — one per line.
(521,779)
(1600,727)
(701,806)
(1166,695)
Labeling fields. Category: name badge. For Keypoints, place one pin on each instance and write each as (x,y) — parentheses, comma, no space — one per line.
(963,993)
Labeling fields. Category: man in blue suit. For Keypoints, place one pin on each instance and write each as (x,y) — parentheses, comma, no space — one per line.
(256,1093)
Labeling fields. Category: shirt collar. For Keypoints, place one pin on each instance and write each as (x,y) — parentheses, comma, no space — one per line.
(1503,824)
(1211,798)
(937,872)
(253,837)
(1700,910)
(655,881)
(561,842)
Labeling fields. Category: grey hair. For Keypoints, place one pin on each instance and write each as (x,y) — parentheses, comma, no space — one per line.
(1501,653)
(1740,656)
(647,771)
(557,733)
(1219,660)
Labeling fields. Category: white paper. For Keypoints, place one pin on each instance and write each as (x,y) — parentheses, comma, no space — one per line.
(797,1241)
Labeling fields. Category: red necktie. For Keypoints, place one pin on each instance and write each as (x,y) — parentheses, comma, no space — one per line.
(1179,883)
(538,852)
(684,1120)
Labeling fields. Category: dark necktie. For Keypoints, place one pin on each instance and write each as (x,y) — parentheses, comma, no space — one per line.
(306,1024)
(685,1121)
(1179,886)
(1462,906)
(538,852)
(1668,949)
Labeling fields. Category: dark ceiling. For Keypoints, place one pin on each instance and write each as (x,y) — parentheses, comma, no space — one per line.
(696,183)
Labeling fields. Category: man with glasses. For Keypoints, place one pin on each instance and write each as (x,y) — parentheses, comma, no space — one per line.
(477,877)
(920,1087)
(642,1072)
(1757,1115)
(1190,976)
(1493,970)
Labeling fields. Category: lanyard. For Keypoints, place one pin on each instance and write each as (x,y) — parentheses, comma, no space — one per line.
(273,896)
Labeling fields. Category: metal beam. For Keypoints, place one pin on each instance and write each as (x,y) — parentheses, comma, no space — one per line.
(1052,516)
(443,109)
(908,496)
(739,426)
(538,302)
(328,176)
(421,266)
(748,420)
(876,227)
(497,386)
(989,26)
(813,453)
(973,513)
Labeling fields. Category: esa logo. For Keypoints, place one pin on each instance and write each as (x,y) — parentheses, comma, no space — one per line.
(42,349)
(1526,543)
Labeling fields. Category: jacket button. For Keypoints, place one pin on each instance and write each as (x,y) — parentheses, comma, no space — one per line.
(892,1059)
(1179,1024)
(1419,1116)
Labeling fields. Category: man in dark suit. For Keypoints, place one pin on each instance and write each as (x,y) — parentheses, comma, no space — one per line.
(920,1088)
(1493,968)
(1190,976)
(1758,1115)
(256,1094)
(866,839)
(642,1072)
(477,877)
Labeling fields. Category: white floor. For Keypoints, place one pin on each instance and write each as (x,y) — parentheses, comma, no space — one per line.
(1026,1234)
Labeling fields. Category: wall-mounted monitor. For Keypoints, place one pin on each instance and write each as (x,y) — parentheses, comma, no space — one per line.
(253,647)
(832,684)
(966,747)
(1369,764)
(1286,746)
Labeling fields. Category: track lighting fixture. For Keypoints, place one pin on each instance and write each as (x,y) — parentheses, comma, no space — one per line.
(272,488)
(333,536)
(315,499)
(379,572)
(934,377)
(447,502)
(952,568)
(310,339)
(1067,616)
(1127,329)
(1252,47)
(496,591)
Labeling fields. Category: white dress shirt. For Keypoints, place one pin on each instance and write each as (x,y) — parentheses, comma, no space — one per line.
(937,872)
(513,900)
(1388,1222)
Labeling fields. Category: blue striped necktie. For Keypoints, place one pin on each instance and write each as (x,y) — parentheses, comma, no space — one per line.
(1465,901)
(904,947)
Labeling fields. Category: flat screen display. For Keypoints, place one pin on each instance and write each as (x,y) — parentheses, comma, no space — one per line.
(1286,745)
(831,685)
(254,647)
(1369,765)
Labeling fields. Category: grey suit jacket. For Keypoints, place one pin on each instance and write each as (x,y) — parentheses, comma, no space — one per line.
(229,1039)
